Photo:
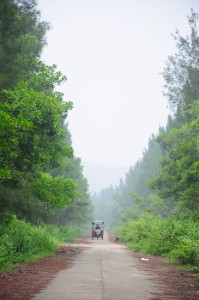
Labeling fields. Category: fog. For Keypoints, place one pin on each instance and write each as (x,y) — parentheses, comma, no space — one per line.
(112,53)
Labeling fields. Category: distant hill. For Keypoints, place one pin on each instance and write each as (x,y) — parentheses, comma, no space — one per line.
(102,176)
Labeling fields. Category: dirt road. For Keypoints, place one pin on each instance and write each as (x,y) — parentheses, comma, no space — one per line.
(104,271)
(98,270)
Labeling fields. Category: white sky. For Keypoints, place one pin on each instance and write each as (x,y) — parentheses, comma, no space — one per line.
(112,52)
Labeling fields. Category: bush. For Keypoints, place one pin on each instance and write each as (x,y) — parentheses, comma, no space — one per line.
(176,239)
(186,252)
(6,252)
(6,219)
(164,236)
(62,234)
(135,233)
(20,240)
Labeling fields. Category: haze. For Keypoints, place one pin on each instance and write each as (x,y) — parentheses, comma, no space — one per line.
(112,53)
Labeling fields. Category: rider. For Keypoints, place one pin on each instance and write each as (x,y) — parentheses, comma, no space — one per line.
(97,231)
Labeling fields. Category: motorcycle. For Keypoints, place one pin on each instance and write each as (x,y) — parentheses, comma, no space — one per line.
(97,233)
(97,230)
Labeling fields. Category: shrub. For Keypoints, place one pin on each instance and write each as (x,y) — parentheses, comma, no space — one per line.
(176,239)
(20,240)
(65,234)
(136,232)
(6,252)
(186,252)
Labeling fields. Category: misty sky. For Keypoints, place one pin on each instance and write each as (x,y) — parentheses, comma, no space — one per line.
(112,52)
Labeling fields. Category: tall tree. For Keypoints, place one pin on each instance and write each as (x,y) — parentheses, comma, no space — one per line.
(181,72)
(179,176)
(31,127)
(22,37)
(39,175)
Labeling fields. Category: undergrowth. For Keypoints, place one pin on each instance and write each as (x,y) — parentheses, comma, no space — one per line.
(176,239)
(22,241)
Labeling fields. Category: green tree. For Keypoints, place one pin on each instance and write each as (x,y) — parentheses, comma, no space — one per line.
(40,179)
(179,174)
(22,37)
(31,134)
(53,191)
(181,72)
(80,209)
(121,203)
(136,181)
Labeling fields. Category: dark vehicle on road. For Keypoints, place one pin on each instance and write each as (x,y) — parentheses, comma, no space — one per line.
(97,230)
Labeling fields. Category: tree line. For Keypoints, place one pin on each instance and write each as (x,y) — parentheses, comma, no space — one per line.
(156,208)
(165,180)
(41,181)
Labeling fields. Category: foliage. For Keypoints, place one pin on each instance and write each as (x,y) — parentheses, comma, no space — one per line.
(152,204)
(138,175)
(22,37)
(31,133)
(165,222)
(181,72)
(32,137)
(179,240)
(54,191)
(6,219)
(25,205)
(39,175)
(80,210)
(135,231)
(179,175)
(114,205)
(20,240)
(64,234)
(107,208)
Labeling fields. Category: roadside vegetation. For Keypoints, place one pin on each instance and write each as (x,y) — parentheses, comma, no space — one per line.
(43,192)
(156,208)
(44,195)
(166,237)
(21,241)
